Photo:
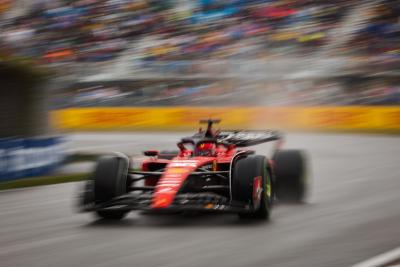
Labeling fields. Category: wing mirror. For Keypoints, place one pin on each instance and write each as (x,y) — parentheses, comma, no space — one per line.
(151,153)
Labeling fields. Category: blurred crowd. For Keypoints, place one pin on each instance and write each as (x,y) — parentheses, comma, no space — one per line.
(176,34)
(334,91)
(73,31)
(98,30)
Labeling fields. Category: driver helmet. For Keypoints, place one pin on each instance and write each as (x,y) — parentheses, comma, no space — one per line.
(206,149)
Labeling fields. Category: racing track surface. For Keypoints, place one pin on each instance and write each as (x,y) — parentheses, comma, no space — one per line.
(353,214)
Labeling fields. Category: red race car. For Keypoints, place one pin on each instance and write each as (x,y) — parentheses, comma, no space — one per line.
(210,172)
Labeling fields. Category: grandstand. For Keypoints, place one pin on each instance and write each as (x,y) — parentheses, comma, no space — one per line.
(237,45)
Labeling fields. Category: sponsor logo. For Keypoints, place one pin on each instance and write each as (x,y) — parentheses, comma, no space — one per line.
(183,164)
(24,157)
(257,191)
(176,170)
(165,189)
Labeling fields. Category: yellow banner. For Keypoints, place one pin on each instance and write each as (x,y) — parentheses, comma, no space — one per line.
(378,118)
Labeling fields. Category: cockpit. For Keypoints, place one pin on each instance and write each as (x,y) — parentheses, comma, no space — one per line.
(205,149)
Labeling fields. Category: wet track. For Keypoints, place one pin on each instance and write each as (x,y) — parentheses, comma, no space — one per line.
(353,213)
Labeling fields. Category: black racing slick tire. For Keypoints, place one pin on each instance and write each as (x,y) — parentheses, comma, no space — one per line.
(110,181)
(111,214)
(291,176)
(245,170)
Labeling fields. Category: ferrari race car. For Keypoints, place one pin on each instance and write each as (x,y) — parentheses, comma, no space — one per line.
(211,171)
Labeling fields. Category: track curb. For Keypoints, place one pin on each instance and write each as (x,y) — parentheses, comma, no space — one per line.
(381,260)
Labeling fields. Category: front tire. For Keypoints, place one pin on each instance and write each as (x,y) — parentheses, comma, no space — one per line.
(245,170)
(110,181)
(111,214)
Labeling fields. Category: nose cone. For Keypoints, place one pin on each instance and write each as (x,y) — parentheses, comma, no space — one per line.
(177,171)
(169,185)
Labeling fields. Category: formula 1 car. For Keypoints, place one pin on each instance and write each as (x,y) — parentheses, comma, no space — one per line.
(210,172)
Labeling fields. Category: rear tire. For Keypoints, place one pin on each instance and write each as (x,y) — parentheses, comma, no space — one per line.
(244,172)
(110,181)
(290,172)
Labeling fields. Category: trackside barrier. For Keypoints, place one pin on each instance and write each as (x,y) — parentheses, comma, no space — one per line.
(348,118)
(26,157)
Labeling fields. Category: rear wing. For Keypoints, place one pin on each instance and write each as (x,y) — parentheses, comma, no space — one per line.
(244,138)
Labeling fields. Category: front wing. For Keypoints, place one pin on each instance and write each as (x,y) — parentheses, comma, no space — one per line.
(207,202)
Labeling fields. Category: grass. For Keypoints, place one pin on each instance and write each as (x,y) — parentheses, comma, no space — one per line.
(43,180)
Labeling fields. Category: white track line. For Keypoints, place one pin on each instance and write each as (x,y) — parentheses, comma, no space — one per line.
(381,259)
